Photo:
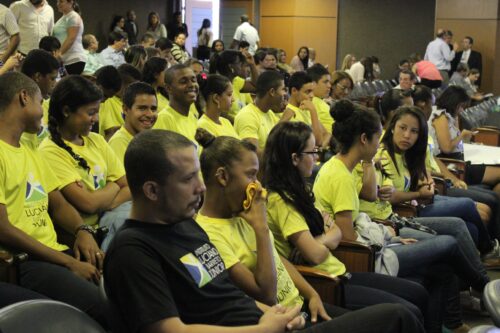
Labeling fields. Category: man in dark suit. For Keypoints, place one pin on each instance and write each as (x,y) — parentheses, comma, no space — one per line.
(131,27)
(470,57)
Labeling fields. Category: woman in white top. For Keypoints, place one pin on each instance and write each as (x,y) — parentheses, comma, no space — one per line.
(69,30)
(117,25)
(448,139)
(205,37)
(155,27)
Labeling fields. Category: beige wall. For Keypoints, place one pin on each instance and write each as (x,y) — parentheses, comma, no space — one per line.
(480,20)
(291,24)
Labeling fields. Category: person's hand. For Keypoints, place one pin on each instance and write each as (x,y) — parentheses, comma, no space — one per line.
(316,308)
(84,270)
(256,215)
(467,135)
(407,241)
(278,318)
(385,192)
(459,183)
(307,105)
(426,191)
(328,220)
(391,230)
(13,62)
(456,46)
(248,57)
(85,245)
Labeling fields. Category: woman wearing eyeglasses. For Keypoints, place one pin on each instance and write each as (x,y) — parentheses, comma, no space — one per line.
(342,85)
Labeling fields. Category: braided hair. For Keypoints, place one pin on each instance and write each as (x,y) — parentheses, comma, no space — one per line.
(69,94)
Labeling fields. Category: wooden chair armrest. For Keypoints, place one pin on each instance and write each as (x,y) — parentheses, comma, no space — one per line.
(441,185)
(329,287)
(405,210)
(9,264)
(458,166)
(356,256)
(314,272)
(487,136)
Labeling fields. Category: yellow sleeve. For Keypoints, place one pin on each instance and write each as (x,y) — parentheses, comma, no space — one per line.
(50,179)
(118,145)
(164,121)
(114,165)
(344,196)
(60,162)
(288,220)
(220,238)
(3,179)
(323,110)
(246,126)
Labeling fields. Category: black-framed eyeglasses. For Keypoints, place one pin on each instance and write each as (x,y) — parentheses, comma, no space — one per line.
(315,151)
(343,88)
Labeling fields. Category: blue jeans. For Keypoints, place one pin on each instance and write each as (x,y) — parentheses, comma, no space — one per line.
(114,219)
(465,209)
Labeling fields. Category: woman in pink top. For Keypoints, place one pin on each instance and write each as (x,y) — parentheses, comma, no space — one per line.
(427,72)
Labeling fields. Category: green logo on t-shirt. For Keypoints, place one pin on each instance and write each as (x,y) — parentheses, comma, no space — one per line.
(204,264)
(99,179)
(34,190)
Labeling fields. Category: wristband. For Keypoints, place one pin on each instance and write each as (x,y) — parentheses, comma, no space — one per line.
(85,227)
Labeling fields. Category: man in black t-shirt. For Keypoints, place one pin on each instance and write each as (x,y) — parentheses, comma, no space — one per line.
(163,275)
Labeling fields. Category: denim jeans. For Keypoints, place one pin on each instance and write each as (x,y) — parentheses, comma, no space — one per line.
(465,209)
(114,219)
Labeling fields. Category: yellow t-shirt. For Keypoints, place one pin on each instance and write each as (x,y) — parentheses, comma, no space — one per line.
(104,165)
(430,161)
(235,241)
(119,142)
(225,128)
(323,110)
(377,209)
(252,123)
(169,119)
(240,100)
(110,114)
(401,179)
(162,101)
(34,140)
(45,107)
(25,182)
(284,221)
(300,115)
(335,188)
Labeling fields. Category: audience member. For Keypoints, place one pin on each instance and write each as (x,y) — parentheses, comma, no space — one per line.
(196,66)
(155,27)
(35,19)
(246,32)
(342,85)
(468,56)
(322,87)
(179,52)
(52,45)
(217,93)
(205,37)
(69,30)
(153,52)
(136,56)
(377,71)
(118,25)
(348,61)
(109,81)
(282,63)
(357,70)
(404,64)
(165,47)
(148,40)
(113,54)
(243,46)
(473,78)
(93,60)
(312,57)
(111,110)
(91,177)
(140,112)
(176,26)
(129,265)
(428,73)
(254,122)
(131,27)
(300,62)
(406,80)
(154,74)
(217,46)
(438,52)
(301,108)
(9,34)
(459,78)
(28,187)
(180,116)
(232,64)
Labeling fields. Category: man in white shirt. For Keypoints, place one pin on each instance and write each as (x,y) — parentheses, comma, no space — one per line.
(246,32)
(438,52)
(9,33)
(113,54)
(35,19)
